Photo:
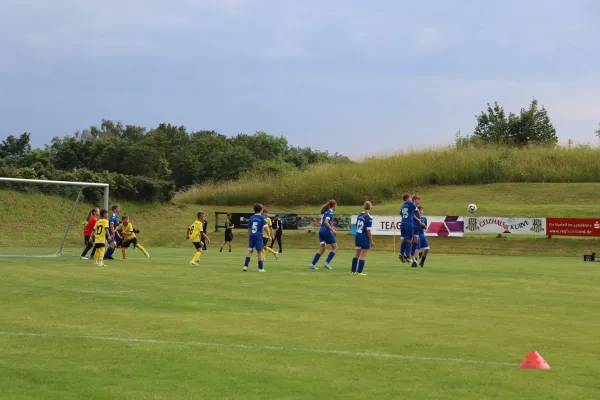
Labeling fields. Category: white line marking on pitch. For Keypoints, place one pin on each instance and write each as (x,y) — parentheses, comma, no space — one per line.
(105,292)
(257,347)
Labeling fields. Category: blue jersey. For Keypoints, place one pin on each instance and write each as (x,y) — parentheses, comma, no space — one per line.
(419,229)
(327,216)
(256,224)
(364,222)
(114,219)
(407,211)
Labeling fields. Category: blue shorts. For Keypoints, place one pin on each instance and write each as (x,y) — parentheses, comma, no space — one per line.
(407,232)
(362,242)
(326,237)
(423,243)
(255,242)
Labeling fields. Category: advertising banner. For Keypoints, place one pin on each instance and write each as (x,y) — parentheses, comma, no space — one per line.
(240,220)
(517,226)
(340,222)
(437,225)
(573,227)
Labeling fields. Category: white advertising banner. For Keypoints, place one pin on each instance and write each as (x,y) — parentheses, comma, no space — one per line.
(437,226)
(518,226)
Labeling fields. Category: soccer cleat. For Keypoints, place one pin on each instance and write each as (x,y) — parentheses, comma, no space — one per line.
(421,264)
(312,267)
(261,270)
(193,263)
(230,250)
(401,257)
(276,255)
(147,255)
(221,250)
(84,258)
(245,269)
(361,273)
(327,266)
(414,264)
(123,258)
(353,273)
(101,264)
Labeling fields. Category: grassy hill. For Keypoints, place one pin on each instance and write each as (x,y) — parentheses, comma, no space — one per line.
(164,225)
(386,178)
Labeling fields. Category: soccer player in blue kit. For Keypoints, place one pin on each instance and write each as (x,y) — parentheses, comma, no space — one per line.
(326,235)
(423,245)
(112,229)
(363,240)
(256,224)
(407,226)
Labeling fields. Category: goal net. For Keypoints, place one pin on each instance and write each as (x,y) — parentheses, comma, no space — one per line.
(41,218)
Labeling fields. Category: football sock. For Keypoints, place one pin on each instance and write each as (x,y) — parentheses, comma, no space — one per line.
(196,256)
(261,264)
(316,259)
(423,260)
(414,249)
(108,253)
(142,249)
(101,251)
(124,252)
(247,261)
(330,257)
(96,256)
(361,266)
(402,248)
(354,262)
(270,250)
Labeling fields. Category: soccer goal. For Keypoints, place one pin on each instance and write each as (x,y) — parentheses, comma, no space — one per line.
(40,218)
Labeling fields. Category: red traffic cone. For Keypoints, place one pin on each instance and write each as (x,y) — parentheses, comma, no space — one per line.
(534,361)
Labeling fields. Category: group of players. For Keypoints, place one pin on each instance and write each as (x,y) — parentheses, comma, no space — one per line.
(121,234)
(412,227)
(99,230)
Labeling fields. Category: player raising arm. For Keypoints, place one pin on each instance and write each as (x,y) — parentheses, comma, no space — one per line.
(363,239)
(128,233)
(256,225)
(195,234)
(326,235)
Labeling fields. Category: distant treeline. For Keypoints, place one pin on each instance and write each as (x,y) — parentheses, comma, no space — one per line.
(150,165)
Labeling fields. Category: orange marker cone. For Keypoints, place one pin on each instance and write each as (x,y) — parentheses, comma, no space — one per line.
(534,361)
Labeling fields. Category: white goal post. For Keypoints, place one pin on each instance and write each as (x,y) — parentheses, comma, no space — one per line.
(37,215)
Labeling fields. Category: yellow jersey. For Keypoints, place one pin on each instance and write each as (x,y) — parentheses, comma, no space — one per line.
(195,231)
(266,231)
(127,231)
(100,230)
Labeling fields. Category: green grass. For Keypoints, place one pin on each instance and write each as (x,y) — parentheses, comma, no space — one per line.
(386,178)
(471,308)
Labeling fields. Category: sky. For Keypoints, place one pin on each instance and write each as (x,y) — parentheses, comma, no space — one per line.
(359,77)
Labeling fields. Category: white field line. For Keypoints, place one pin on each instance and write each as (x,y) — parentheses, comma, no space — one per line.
(105,292)
(257,347)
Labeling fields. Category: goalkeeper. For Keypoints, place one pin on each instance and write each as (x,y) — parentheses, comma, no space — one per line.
(128,232)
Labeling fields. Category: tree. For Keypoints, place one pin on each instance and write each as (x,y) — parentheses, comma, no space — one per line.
(530,126)
(15,147)
(598,131)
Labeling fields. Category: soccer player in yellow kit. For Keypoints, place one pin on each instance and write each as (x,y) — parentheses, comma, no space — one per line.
(100,233)
(125,228)
(268,234)
(195,234)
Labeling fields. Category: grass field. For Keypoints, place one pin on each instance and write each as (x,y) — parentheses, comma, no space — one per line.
(159,329)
